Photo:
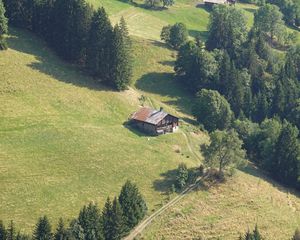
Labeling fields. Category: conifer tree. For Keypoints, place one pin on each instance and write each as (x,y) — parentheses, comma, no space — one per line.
(11,231)
(61,232)
(99,46)
(71,19)
(132,203)
(3,232)
(3,27)
(125,33)
(42,229)
(19,12)
(256,234)
(75,231)
(121,68)
(118,223)
(90,220)
(286,162)
(279,101)
(296,235)
(107,219)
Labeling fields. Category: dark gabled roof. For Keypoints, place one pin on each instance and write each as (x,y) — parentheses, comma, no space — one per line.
(149,115)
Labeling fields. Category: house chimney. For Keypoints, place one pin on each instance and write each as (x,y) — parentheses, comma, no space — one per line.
(161,109)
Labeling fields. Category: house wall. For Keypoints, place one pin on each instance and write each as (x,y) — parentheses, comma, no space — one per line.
(146,127)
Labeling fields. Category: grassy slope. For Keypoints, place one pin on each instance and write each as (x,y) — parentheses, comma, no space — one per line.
(224,211)
(63,142)
(62,139)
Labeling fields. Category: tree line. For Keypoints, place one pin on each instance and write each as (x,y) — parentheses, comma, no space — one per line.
(78,34)
(256,235)
(113,222)
(290,9)
(241,85)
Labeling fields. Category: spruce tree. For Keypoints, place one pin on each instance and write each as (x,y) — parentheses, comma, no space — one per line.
(75,231)
(90,220)
(99,46)
(42,229)
(3,232)
(296,235)
(11,231)
(256,234)
(3,27)
(61,232)
(118,223)
(20,12)
(225,73)
(121,64)
(286,162)
(107,219)
(133,205)
(71,19)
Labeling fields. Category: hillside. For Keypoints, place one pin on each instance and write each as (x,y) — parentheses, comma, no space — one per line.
(64,143)
(226,210)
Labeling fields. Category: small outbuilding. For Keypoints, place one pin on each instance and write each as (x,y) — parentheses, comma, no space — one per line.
(154,122)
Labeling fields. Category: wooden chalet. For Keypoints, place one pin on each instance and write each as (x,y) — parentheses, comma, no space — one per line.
(154,122)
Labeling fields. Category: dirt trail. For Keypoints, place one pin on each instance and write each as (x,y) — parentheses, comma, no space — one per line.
(138,230)
(189,145)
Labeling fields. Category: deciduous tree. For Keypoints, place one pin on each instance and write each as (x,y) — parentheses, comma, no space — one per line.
(225,151)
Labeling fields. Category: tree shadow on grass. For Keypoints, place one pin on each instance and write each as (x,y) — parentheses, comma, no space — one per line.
(253,170)
(48,63)
(167,63)
(165,84)
(135,130)
(164,184)
(195,33)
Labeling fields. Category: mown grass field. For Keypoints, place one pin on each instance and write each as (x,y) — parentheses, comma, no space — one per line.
(63,142)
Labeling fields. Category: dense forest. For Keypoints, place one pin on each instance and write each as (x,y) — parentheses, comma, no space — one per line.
(248,81)
(78,34)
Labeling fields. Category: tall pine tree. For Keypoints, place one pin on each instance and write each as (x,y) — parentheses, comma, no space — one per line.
(42,229)
(91,222)
(118,223)
(71,19)
(133,205)
(3,232)
(61,232)
(286,162)
(11,231)
(99,46)
(107,219)
(121,63)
